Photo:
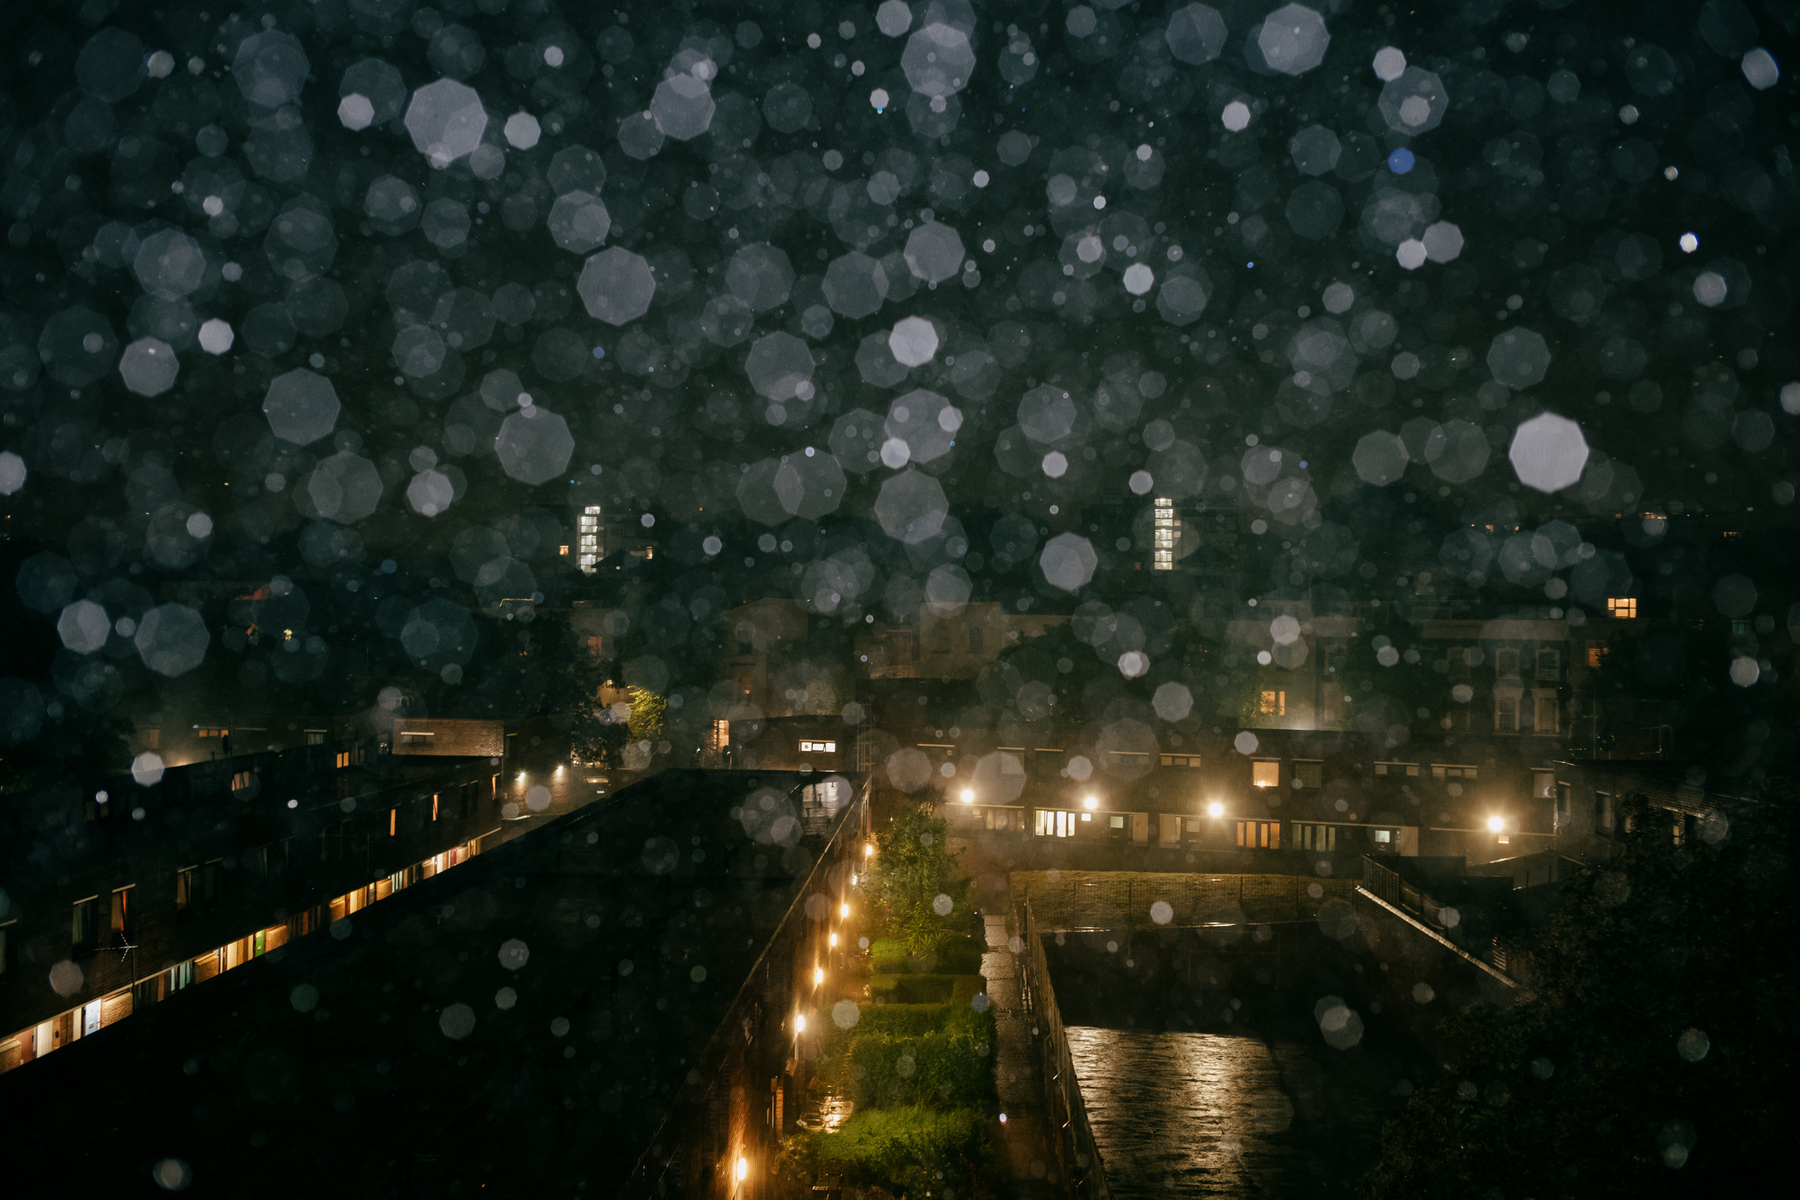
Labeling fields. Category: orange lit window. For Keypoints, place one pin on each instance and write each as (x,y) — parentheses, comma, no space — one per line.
(1272,704)
(1265,774)
(1621,606)
(343,758)
(1596,656)
(434,800)
(393,820)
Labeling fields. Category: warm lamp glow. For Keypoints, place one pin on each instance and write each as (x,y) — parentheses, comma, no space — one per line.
(1091,802)
(743,1168)
(1496,824)
(1215,809)
(868,849)
(818,976)
(843,910)
(832,940)
(968,796)
(799,1023)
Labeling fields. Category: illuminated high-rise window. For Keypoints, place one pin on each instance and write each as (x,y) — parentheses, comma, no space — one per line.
(1621,606)
(588,551)
(1167,531)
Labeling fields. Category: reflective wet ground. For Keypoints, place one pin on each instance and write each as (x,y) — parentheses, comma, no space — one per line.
(1205,1065)
(1200,1114)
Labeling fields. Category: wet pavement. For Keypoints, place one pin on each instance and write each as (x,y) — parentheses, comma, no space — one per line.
(1030,1160)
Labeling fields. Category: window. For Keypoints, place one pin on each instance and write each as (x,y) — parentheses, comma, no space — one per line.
(818,747)
(1621,606)
(1603,813)
(241,781)
(1271,704)
(124,914)
(1057,823)
(587,538)
(1542,784)
(1116,821)
(1309,773)
(1335,657)
(315,737)
(1549,664)
(1265,773)
(1263,835)
(1453,771)
(977,637)
(434,806)
(1596,656)
(1384,837)
(1188,761)
(1562,805)
(940,639)
(416,737)
(1012,762)
(1396,768)
(343,759)
(1128,758)
(210,731)
(194,886)
(84,925)
(1315,837)
(1506,713)
(1506,663)
(746,640)
(152,738)
(1546,713)
(393,821)
(1167,531)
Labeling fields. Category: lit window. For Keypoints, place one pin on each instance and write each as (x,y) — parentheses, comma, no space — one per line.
(1453,771)
(1621,606)
(1163,560)
(240,781)
(1264,835)
(1265,773)
(1396,768)
(1271,704)
(1596,656)
(343,758)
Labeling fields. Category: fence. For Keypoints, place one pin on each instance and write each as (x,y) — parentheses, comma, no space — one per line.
(1128,899)
(1077,1157)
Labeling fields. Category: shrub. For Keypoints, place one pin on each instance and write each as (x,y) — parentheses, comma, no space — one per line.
(950,1067)
(901,1149)
(911,1020)
(912,989)
(957,956)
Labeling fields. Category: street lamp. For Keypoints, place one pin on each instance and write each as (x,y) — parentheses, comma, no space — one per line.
(968,796)
(1091,802)
(1215,809)
(1496,824)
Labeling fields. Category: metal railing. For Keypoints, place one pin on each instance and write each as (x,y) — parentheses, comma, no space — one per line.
(1077,1156)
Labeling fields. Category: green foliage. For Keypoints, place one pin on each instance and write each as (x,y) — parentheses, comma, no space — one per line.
(952,1066)
(901,1149)
(1663,1012)
(910,1020)
(912,869)
(912,989)
(647,709)
(958,955)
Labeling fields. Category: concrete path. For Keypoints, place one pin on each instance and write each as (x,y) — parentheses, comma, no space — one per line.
(1030,1158)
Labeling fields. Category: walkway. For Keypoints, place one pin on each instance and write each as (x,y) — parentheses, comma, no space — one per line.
(1030,1159)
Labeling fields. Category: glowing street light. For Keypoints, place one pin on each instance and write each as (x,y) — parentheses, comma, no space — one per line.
(1496,824)
(968,796)
(743,1168)
(843,911)
(1215,809)
(799,1027)
(818,978)
(1091,802)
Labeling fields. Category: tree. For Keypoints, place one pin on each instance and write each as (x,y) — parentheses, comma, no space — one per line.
(916,883)
(1659,1031)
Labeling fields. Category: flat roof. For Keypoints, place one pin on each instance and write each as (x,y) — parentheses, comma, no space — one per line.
(595,957)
